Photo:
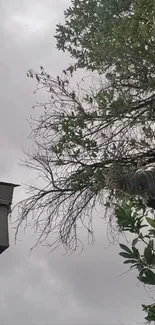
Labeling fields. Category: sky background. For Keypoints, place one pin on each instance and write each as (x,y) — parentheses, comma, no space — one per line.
(50,288)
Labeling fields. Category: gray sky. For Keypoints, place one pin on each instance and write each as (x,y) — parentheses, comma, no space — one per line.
(50,288)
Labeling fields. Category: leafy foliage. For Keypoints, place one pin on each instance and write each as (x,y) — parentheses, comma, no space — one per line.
(144,262)
(150,310)
(111,34)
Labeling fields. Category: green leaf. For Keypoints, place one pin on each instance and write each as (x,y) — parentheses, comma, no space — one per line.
(152,232)
(151,222)
(136,252)
(130,261)
(126,255)
(134,242)
(148,254)
(127,249)
(136,265)
(149,277)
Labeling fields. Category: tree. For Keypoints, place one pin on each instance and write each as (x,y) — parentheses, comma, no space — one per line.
(81,137)
(86,137)
(80,141)
(114,37)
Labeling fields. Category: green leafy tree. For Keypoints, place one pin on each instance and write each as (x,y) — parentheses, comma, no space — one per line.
(82,137)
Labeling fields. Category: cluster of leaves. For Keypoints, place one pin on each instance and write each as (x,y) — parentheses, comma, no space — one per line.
(113,34)
(115,38)
(150,310)
(132,220)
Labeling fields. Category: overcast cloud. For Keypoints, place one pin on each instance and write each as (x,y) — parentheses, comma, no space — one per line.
(50,288)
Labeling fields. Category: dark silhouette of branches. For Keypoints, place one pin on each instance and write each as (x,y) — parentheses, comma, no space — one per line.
(80,137)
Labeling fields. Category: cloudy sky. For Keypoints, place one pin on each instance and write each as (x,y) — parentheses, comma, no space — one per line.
(50,288)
